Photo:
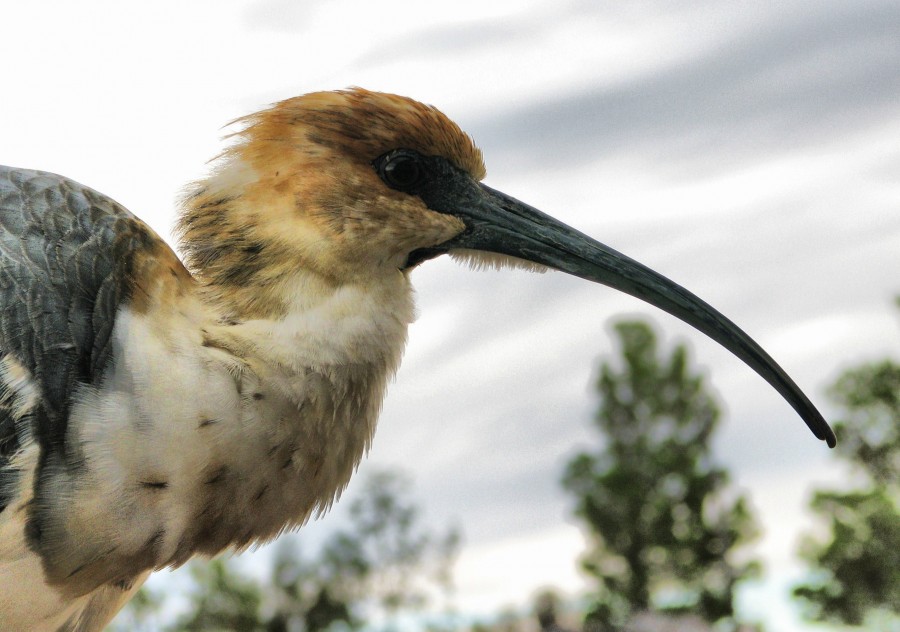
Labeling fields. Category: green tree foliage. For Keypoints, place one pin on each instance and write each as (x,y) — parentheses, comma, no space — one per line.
(663,522)
(384,563)
(856,570)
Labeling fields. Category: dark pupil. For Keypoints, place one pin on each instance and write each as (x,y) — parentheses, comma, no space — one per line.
(402,172)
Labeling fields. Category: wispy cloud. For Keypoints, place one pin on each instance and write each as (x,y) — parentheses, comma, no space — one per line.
(790,82)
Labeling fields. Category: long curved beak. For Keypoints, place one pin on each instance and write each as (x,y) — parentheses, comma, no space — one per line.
(499,223)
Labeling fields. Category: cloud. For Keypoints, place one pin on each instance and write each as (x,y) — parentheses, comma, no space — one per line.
(792,82)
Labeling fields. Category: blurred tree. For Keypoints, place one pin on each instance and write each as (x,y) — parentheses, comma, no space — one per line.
(222,600)
(856,570)
(384,562)
(386,556)
(664,524)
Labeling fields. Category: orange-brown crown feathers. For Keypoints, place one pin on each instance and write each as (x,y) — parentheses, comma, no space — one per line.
(361,125)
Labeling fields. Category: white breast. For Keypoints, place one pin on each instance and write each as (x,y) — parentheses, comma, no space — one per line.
(193,448)
(201,437)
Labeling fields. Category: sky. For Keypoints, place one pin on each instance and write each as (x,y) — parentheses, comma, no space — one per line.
(748,151)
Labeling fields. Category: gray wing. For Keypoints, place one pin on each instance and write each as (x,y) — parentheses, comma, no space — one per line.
(65,267)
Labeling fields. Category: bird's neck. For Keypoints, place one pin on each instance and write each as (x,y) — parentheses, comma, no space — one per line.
(320,326)
(276,302)
(319,372)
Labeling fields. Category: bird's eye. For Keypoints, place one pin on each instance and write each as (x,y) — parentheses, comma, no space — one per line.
(401,170)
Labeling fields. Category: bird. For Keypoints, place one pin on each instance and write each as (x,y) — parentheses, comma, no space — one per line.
(156,408)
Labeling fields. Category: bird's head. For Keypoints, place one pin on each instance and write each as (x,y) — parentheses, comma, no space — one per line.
(353,183)
(326,179)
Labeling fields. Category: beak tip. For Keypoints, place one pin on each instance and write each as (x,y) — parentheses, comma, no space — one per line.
(822,430)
